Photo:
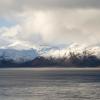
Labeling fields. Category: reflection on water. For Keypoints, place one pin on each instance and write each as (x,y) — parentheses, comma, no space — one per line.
(30,84)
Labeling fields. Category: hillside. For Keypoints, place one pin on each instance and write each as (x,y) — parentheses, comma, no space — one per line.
(73,55)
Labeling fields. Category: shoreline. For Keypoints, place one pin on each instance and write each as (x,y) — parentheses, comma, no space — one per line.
(53,68)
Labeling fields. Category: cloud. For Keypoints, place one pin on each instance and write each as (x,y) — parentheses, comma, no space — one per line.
(64,26)
(50,21)
(58,26)
(22,4)
(15,6)
(61,3)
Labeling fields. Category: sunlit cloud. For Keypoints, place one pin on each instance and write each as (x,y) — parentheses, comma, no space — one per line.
(50,22)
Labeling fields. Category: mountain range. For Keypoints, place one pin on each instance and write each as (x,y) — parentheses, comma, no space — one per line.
(22,53)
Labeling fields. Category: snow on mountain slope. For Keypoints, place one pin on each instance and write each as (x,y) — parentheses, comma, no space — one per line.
(55,51)
(20,54)
(59,51)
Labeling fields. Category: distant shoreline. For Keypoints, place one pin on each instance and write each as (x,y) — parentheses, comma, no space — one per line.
(53,68)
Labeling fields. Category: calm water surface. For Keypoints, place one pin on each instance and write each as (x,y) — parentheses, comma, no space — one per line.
(50,84)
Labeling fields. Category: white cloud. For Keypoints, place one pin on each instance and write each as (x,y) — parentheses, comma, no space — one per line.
(61,26)
(51,22)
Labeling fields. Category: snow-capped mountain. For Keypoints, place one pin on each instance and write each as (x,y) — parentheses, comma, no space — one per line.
(57,51)
(18,55)
(20,52)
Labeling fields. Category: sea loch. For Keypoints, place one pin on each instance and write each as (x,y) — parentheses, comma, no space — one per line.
(50,84)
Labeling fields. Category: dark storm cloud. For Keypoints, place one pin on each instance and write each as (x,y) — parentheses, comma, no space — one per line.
(6,5)
(62,3)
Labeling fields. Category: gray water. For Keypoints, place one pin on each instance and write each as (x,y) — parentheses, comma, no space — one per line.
(50,84)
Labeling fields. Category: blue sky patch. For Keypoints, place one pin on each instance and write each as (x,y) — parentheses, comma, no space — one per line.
(6,22)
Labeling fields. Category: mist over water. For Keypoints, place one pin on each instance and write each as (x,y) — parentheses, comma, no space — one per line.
(50,84)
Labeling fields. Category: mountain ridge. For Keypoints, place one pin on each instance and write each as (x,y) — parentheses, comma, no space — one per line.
(19,55)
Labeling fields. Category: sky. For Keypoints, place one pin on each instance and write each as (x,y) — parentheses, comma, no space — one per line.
(54,22)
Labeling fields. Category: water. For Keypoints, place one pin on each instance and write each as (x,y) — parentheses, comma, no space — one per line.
(50,84)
